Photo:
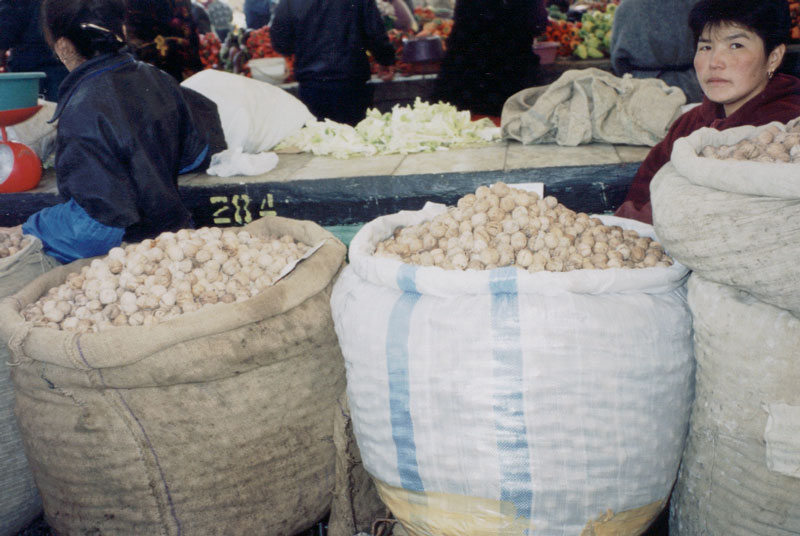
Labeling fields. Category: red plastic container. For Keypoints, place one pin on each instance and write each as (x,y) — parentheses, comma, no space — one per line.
(20,167)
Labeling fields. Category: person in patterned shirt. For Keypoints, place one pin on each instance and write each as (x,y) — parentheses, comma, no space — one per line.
(221,16)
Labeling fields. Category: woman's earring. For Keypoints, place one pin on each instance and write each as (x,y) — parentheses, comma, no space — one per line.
(770,74)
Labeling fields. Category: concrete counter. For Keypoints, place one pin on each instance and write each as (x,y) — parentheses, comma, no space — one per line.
(590,178)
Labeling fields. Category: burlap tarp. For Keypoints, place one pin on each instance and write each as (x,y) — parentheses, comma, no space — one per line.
(733,222)
(20,500)
(592,105)
(216,422)
(732,481)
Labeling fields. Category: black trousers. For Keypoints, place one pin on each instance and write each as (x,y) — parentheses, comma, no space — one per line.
(343,101)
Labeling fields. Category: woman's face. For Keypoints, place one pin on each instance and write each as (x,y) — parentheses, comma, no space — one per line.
(732,65)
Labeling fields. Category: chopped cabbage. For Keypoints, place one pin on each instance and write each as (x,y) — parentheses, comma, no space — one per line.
(423,127)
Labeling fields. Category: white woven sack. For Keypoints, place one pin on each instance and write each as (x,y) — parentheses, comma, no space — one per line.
(19,499)
(733,222)
(520,401)
(740,473)
(255,115)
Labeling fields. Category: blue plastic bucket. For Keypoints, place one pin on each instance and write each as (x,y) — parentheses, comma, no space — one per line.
(19,90)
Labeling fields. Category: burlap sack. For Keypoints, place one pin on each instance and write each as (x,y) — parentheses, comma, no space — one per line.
(216,422)
(356,504)
(740,473)
(592,105)
(20,500)
(733,222)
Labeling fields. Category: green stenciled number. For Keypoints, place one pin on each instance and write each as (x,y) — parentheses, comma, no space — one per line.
(242,214)
(267,203)
(217,218)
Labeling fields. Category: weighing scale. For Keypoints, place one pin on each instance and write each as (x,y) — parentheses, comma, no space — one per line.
(20,167)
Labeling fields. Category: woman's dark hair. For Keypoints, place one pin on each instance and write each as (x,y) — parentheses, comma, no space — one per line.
(164,34)
(769,19)
(93,26)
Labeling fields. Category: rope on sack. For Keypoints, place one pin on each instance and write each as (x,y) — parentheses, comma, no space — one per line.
(15,343)
(382,526)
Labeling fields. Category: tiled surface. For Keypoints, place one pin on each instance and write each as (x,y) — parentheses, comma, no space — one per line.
(287,168)
(485,158)
(326,167)
(504,156)
(521,156)
(47,184)
(632,153)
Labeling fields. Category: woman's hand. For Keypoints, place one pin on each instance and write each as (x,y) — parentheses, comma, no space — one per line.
(12,230)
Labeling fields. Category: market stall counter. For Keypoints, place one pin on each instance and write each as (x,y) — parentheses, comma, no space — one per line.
(404,89)
(333,192)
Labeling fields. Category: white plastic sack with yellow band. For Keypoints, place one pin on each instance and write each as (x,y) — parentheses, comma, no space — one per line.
(500,402)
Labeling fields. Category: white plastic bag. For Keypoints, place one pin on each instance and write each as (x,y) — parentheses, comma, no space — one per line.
(270,70)
(232,162)
(36,132)
(255,115)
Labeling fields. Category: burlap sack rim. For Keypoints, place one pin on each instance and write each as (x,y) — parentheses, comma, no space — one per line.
(737,176)
(101,350)
(9,263)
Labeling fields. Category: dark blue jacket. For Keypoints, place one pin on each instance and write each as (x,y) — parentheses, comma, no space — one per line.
(330,38)
(19,29)
(125,132)
(256,13)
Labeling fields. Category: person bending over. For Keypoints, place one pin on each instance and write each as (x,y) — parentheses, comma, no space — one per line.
(125,131)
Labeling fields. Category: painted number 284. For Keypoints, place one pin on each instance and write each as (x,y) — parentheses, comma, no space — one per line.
(236,209)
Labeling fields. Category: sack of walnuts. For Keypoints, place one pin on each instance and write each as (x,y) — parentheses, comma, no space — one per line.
(727,206)
(21,260)
(183,384)
(504,352)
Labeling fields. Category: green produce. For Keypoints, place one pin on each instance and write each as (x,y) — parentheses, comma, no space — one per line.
(595,33)
(422,128)
(555,13)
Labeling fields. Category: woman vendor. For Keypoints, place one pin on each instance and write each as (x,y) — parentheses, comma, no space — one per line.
(125,131)
(740,46)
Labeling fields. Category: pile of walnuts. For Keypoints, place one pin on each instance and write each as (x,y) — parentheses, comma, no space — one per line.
(502,226)
(158,279)
(770,145)
(12,243)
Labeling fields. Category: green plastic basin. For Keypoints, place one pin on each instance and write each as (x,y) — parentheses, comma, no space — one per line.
(19,90)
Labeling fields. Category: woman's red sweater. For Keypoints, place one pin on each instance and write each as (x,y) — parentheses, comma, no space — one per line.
(780,101)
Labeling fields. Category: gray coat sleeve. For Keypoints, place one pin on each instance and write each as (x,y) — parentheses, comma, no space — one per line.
(645,46)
